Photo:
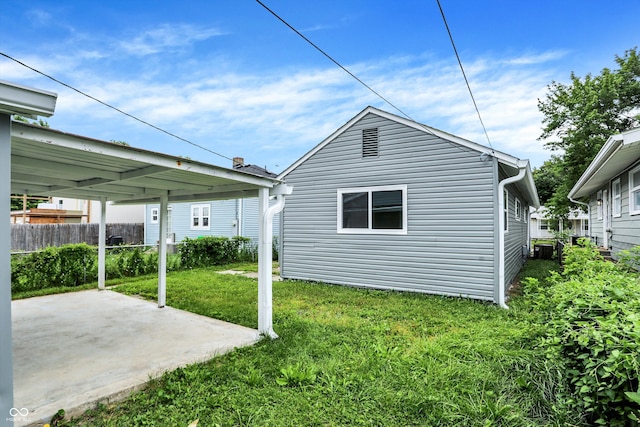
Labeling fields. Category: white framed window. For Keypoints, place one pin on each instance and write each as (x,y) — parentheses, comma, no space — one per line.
(544,224)
(372,210)
(599,203)
(518,213)
(634,191)
(505,210)
(585,225)
(154,214)
(200,215)
(616,198)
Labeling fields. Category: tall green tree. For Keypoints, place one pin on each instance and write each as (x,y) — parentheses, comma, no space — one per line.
(548,177)
(580,116)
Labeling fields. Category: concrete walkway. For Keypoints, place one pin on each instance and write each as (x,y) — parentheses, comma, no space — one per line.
(73,350)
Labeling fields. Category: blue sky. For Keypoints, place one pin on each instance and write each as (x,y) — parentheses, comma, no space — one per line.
(229,76)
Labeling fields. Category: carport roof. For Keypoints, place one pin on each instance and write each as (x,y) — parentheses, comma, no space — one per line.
(50,162)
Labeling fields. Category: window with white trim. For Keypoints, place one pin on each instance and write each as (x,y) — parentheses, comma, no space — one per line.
(154,215)
(544,224)
(518,213)
(585,225)
(599,203)
(372,210)
(634,191)
(505,210)
(616,198)
(200,215)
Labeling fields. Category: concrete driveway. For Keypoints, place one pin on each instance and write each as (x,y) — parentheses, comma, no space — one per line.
(73,350)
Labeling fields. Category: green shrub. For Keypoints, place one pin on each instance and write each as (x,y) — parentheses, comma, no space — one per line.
(209,250)
(68,265)
(592,316)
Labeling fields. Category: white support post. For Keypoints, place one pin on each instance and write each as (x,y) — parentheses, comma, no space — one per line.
(162,251)
(102,241)
(6,355)
(265,279)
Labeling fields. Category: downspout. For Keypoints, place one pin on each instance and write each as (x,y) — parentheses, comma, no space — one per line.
(265,249)
(501,260)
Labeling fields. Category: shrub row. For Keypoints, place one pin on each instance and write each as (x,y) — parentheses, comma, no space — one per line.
(77,264)
(591,313)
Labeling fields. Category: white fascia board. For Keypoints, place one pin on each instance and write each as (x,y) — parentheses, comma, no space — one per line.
(502,157)
(614,156)
(24,100)
(62,139)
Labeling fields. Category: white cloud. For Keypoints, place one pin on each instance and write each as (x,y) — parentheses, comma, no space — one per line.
(167,36)
(274,116)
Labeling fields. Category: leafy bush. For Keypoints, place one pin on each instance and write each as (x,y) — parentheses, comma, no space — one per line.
(69,265)
(592,316)
(205,251)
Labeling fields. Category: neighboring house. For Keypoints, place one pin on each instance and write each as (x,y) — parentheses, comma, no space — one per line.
(226,218)
(611,187)
(388,203)
(541,224)
(91,212)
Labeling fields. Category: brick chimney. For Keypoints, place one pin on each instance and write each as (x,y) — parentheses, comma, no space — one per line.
(238,162)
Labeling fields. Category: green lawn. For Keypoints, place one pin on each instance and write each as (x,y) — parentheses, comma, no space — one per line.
(349,356)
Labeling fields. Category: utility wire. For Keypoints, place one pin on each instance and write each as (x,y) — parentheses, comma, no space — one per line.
(334,61)
(115,108)
(464,75)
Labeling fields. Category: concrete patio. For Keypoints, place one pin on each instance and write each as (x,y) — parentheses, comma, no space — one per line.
(73,350)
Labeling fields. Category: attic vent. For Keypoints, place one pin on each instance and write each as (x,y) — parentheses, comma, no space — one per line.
(370,142)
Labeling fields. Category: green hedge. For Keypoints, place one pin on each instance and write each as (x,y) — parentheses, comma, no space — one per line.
(73,265)
(591,313)
(69,265)
(205,251)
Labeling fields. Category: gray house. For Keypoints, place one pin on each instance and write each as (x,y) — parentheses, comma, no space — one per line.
(388,203)
(611,186)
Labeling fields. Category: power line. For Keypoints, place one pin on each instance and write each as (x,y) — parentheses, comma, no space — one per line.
(334,60)
(464,75)
(115,108)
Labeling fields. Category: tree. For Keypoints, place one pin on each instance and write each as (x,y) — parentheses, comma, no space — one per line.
(579,118)
(39,122)
(548,177)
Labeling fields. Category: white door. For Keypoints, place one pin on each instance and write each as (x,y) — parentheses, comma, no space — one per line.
(606,218)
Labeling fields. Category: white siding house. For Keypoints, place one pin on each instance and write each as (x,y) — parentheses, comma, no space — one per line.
(388,203)
(610,186)
(541,224)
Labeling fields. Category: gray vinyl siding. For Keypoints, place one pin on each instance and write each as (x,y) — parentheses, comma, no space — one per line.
(625,229)
(449,247)
(516,237)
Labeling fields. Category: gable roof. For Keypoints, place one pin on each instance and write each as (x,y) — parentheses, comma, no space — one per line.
(511,165)
(617,154)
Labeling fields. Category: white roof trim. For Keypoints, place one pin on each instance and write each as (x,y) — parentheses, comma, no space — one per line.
(618,153)
(502,157)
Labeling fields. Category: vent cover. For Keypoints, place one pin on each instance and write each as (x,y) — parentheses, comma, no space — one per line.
(370,142)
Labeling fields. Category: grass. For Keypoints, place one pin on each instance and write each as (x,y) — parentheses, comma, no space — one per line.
(348,356)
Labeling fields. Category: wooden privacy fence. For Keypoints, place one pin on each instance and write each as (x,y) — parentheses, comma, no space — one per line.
(33,237)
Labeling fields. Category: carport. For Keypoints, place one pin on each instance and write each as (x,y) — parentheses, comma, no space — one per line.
(38,160)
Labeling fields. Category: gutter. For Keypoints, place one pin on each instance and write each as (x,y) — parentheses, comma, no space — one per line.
(501,261)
